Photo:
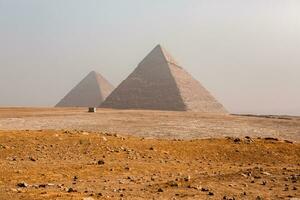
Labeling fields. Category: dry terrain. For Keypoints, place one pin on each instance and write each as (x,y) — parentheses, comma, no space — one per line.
(150,124)
(82,165)
(48,153)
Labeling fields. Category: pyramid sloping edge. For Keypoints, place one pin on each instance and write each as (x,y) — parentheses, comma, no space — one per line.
(194,95)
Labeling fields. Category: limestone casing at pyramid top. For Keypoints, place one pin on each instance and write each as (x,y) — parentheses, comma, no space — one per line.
(159,54)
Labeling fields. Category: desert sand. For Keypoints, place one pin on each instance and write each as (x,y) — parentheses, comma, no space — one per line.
(55,153)
(150,124)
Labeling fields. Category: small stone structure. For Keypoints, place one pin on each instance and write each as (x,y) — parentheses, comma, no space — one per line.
(92,109)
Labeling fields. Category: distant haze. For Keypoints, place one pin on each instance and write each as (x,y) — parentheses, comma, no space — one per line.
(245,52)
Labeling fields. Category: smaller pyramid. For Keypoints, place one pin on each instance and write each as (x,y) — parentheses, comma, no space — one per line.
(88,93)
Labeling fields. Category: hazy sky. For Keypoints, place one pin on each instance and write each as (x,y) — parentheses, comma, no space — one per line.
(246,52)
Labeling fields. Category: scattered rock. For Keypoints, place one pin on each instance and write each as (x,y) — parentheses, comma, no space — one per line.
(99,194)
(204,189)
(32,159)
(237,140)
(188,178)
(75,177)
(100,162)
(22,184)
(288,141)
(127,168)
(248,140)
(69,190)
(160,190)
(42,186)
(295,188)
(210,193)
(173,183)
(271,139)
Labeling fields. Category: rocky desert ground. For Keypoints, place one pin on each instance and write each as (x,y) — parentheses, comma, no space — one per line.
(115,154)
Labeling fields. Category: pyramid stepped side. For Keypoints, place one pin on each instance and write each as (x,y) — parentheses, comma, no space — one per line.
(194,95)
(149,86)
(88,93)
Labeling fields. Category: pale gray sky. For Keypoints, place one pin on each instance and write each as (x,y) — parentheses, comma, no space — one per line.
(246,52)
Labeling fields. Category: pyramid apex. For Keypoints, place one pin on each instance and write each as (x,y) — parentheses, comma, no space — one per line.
(93,72)
(169,58)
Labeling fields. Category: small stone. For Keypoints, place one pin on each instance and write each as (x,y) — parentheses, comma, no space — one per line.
(210,193)
(127,168)
(32,159)
(160,190)
(173,184)
(42,185)
(100,162)
(22,184)
(295,188)
(69,190)
(188,178)
(237,140)
(271,139)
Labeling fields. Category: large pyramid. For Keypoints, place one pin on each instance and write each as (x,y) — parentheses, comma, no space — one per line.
(88,93)
(160,83)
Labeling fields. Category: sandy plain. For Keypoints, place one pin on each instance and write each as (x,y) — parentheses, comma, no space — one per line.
(49,153)
(150,124)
